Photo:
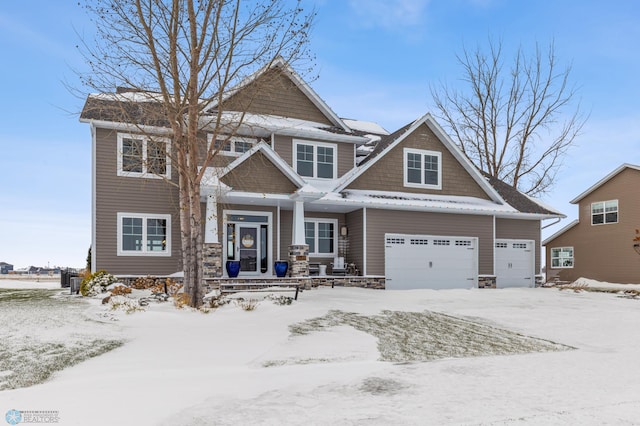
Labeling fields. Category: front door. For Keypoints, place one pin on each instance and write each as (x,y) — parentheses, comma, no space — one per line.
(248,248)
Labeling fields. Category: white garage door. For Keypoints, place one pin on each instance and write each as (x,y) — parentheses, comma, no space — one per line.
(515,261)
(428,261)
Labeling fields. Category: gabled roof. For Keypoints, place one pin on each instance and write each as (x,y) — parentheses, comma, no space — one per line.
(273,157)
(603,181)
(279,62)
(517,199)
(389,142)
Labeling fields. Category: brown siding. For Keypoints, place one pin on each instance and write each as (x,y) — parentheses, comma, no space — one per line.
(286,233)
(380,222)
(283,145)
(387,174)
(259,174)
(130,195)
(274,93)
(521,230)
(355,252)
(604,252)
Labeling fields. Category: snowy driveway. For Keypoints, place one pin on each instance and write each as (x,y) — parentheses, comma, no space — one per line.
(192,369)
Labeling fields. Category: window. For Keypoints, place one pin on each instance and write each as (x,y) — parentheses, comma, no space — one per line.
(144,235)
(604,212)
(422,169)
(562,257)
(320,235)
(232,146)
(315,159)
(143,156)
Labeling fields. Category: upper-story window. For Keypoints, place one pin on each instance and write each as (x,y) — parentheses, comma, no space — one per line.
(422,169)
(315,159)
(143,156)
(232,146)
(604,212)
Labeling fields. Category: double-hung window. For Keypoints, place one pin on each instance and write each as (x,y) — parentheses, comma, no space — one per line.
(562,257)
(144,234)
(320,236)
(143,156)
(604,212)
(232,146)
(315,159)
(422,169)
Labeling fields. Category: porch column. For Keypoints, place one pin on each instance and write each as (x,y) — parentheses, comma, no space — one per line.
(298,250)
(298,223)
(212,250)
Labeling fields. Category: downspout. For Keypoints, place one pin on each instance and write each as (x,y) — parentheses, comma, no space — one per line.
(364,241)
(558,219)
(94,148)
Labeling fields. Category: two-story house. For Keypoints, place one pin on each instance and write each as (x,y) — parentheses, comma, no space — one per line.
(599,244)
(292,185)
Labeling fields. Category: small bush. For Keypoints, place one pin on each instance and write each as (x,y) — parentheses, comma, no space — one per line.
(280,300)
(96,283)
(181,300)
(125,304)
(120,290)
(172,287)
(248,304)
(144,283)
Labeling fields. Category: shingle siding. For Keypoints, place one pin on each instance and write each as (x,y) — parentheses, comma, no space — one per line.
(283,145)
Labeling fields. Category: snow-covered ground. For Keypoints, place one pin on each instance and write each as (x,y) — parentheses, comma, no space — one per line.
(232,367)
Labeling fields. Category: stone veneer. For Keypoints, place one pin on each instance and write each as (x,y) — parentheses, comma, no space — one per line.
(486,281)
(212,260)
(298,260)
(304,282)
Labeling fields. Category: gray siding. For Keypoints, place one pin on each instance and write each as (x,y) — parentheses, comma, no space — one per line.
(521,230)
(355,251)
(259,174)
(131,195)
(380,222)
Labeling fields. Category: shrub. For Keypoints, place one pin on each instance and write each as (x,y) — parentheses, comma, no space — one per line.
(125,304)
(280,299)
(181,300)
(96,283)
(144,283)
(172,287)
(120,290)
(248,304)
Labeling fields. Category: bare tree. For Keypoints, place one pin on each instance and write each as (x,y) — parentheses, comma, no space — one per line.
(184,57)
(514,123)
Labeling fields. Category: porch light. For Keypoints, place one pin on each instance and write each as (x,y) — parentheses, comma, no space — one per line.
(344,231)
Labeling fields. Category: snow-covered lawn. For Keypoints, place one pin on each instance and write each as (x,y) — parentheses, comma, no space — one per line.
(320,361)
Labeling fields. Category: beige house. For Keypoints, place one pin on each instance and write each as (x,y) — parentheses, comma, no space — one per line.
(599,244)
(299,183)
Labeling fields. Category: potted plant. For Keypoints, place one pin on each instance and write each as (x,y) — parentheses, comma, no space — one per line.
(233,268)
(281,267)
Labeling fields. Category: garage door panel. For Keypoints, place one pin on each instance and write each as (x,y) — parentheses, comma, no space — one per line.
(515,261)
(426,261)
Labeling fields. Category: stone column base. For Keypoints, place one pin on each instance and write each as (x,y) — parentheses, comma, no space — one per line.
(299,260)
(212,260)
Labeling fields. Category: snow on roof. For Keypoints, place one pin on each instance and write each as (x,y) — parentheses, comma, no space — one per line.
(365,126)
(419,201)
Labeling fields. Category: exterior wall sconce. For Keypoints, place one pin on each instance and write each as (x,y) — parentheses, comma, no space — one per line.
(344,231)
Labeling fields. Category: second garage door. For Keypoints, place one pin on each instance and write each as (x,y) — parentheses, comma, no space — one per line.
(430,261)
(515,263)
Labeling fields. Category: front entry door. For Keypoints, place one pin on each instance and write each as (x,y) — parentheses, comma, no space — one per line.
(248,248)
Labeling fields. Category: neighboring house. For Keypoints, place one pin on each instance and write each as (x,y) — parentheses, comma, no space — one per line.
(599,244)
(5,268)
(301,184)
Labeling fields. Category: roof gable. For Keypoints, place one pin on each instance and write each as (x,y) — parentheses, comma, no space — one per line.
(603,181)
(262,169)
(278,90)
(464,178)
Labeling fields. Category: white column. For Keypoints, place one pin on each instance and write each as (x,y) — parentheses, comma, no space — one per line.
(211,221)
(298,223)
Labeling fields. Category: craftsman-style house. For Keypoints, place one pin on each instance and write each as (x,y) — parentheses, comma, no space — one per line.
(301,184)
(600,244)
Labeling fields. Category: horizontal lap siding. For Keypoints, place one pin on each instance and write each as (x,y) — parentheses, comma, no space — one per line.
(131,195)
(355,252)
(380,222)
(514,229)
(604,252)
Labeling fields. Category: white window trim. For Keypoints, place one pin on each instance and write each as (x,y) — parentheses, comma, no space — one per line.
(315,145)
(422,153)
(144,173)
(317,220)
(144,252)
(270,233)
(604,213)
(232,144)
(573,257)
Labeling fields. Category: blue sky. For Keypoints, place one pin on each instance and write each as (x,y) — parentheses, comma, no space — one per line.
(375,60)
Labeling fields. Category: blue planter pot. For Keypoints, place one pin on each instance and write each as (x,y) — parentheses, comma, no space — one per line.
(281,267)
(233,268)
